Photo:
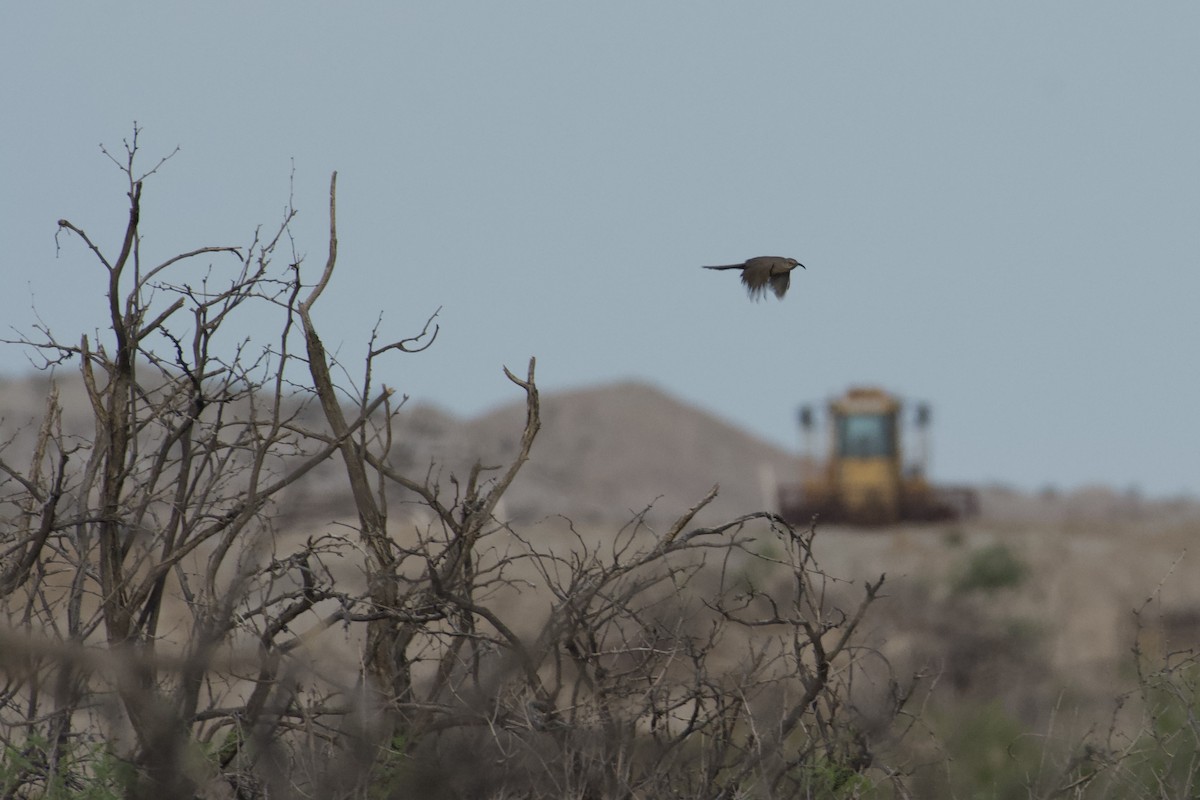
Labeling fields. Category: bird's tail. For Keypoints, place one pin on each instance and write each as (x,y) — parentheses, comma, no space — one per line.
(728,266)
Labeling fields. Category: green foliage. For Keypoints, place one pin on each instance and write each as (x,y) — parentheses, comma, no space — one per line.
(394,773)
(85,771)
(829,780)
(1164,761)
(990,755)
(994,567)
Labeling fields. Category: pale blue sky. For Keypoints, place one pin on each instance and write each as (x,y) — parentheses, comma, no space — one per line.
(998,204)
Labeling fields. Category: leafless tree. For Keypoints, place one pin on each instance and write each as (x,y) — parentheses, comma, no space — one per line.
(156,617)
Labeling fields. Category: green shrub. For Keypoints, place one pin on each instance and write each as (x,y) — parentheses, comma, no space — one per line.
(994,567)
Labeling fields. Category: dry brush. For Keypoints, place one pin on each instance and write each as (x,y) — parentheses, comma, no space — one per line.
(159,621)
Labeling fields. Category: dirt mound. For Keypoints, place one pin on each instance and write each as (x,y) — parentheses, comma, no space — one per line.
(605,452)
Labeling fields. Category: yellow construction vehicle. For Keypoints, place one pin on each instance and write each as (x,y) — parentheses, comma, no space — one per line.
(864,480)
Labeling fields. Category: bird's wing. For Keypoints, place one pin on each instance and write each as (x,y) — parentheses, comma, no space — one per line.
(755,278)
(780,283)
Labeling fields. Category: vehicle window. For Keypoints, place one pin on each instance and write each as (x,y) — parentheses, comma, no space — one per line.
(865,436)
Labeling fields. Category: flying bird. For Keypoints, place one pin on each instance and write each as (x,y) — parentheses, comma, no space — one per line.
(761,271)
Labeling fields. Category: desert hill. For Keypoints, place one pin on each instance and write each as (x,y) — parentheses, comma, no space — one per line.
(604,453)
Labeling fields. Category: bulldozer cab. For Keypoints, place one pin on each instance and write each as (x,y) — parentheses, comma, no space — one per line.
(862,478)
(866,435)
(864,466)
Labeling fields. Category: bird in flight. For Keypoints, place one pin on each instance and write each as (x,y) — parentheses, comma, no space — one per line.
(761,271)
